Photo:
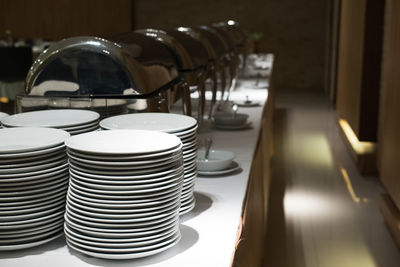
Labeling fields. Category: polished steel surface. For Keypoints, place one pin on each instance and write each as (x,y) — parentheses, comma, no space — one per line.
(122,66)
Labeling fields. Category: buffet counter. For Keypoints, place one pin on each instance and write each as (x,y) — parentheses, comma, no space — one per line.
(226,227)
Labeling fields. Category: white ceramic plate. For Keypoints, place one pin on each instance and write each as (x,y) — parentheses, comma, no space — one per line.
(122,179)
(29,189)
(119,224)
(29,245)
(34,173)
(34,169)
(155,200)
(102,170)
(110,254)
(51,118)
(86,130)
(27,239)
(16,206)
(165,122)
(233,127)
(122,165)
(36,178)
(146,195)
(129,142)
(119,217)
(29,161)
(32,222)
(120,157)
(82,126)
(117,238)
(116,208)
(232,168)
(3,115)
(103,230)
(22,157)
(19,140)
(32,230)
(34,162)
(39,207)
(108,190)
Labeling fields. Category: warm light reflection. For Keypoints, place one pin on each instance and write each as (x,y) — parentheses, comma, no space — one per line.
(313,150)
(3,99)
(358,147)
(307,204)
(349,185)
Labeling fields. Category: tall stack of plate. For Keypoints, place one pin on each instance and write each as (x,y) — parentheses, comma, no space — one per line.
(2,115)
(74,121)
(33,186)
(124,195)
(181,126)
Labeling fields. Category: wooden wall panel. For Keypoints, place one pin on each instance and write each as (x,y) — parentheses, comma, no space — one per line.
(351,44)
(359,65)
(389,141)
(64,18)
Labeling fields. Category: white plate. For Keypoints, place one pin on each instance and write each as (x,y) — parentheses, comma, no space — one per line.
(34,169)
(29,245)
(11,219)
(32,230)
(165,122)
(34,173)
(121,165)
(3,115)
(87,168)
(119,217)
(116,207)
(146,195)
(232,168)
(36,178)
(26,239)
(26,198)
(23,155)
(74,235)
(138,229)
(128,193)
(39,207)
(51,118)
(19,140)
(33,161)
(120,224)
(33,222)
(158,155)
(124,179)
(29,189)
(233,127)
(98,160)
(29,161)
(110,254)
(115,188)
(131,142)
(86,130)
(82,127)
(155,200)
(125,237)
(16,206)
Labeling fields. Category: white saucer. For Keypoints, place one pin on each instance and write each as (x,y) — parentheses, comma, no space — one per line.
(233,167)
(233,127)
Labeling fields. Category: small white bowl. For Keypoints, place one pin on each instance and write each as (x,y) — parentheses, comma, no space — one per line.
(231,119)
(217,160)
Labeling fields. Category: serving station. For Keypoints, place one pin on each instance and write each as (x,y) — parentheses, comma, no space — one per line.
(185,187)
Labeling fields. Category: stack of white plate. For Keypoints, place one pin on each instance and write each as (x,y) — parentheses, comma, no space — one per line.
(181,126)
(74,121)
(124,195)
(2,115)
(33,185)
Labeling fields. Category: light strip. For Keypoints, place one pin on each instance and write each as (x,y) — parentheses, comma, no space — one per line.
(358,147)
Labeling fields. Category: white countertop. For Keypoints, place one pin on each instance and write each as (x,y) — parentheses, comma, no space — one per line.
(209,232)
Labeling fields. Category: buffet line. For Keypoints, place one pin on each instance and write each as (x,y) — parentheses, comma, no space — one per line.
(110,138)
